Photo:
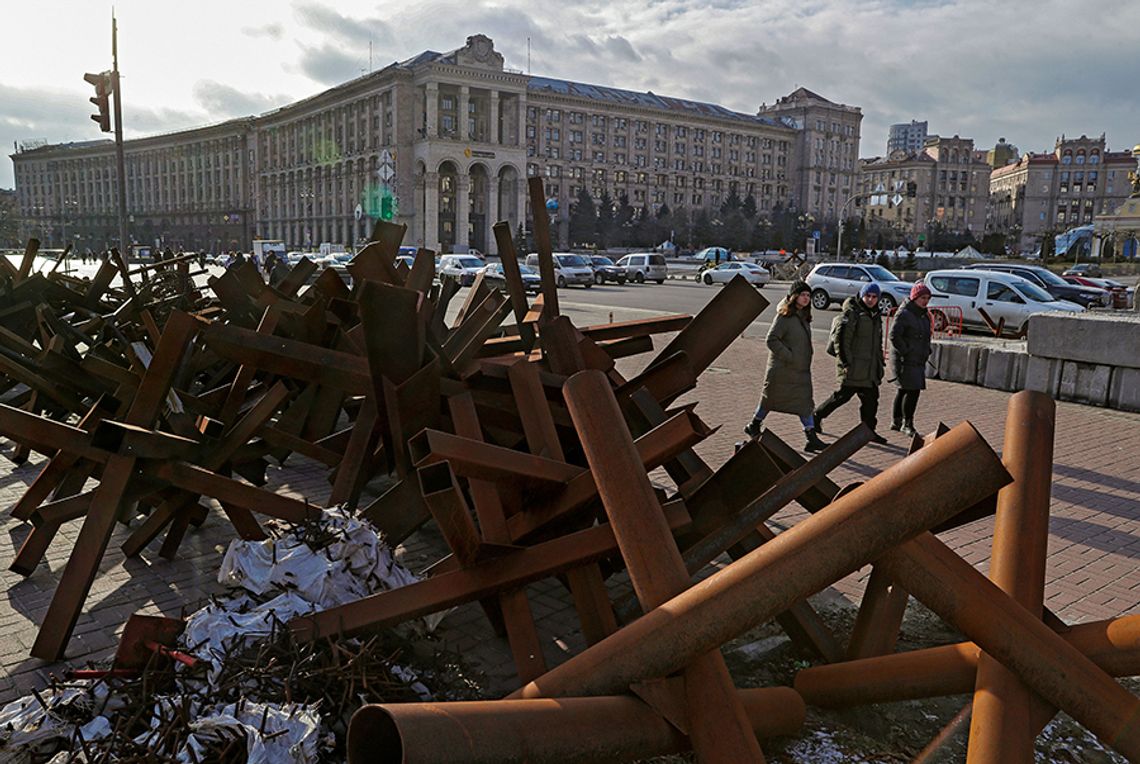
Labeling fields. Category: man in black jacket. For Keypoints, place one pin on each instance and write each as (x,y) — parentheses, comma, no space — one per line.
(858,343)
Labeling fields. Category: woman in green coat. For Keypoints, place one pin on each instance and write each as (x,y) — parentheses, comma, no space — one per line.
(787,378)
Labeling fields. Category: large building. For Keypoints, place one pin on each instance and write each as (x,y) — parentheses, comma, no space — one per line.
(1045,194)
(451,137)
(951,189)
(909,138)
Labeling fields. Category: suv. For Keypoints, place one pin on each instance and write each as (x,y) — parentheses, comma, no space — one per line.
(1052,283)
(1091,270)
(1003,296)
(462,268)
(641,266)
(835,282)
(568,269)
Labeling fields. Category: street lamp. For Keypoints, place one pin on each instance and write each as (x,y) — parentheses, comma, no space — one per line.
(842,219)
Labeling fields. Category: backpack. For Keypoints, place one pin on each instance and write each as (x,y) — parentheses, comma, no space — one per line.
(833,338)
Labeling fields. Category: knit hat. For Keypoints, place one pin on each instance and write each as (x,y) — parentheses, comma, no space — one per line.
(871,288)
(797,287)
(919,290)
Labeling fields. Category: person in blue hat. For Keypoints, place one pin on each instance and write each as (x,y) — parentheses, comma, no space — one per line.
(857,343)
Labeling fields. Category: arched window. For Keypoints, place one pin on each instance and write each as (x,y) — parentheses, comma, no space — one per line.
(1094,156)
(1081,157)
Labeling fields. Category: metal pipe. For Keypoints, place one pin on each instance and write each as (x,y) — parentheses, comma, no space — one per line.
(999,729)
(587,730)
(1113,644)
(718,724)
(1045,662)
(915,493)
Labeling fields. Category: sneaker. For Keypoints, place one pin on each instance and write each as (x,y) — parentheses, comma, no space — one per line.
(813,444)
(877,438)
(896,426)
(908,430)
(752,429)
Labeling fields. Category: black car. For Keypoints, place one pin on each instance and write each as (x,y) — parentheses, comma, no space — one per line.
(1052,283)
(493,276)
(605,270)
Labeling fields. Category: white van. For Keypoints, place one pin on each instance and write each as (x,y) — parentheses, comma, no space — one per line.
(568,269)
(643,266)
(1001,295)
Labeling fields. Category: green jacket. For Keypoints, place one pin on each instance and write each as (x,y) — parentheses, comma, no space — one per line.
(860,345)
(787,378)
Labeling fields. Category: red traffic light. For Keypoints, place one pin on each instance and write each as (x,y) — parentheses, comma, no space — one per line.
(102,83)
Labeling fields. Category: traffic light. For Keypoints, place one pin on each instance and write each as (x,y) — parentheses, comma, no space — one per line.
(911,189)
(387,206)
(102,83)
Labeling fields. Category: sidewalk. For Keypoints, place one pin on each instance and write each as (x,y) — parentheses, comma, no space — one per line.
(1094,547)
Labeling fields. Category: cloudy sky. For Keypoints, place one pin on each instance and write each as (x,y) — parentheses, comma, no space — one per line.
(1026,70)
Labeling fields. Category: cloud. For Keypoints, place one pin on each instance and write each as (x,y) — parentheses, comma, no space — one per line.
(345,29)
(274,31)
(330,65)
(221,100)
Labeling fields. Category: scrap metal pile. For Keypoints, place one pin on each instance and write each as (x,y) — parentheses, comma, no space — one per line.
(531,453)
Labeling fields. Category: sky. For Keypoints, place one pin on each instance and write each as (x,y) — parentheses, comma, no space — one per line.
(1025,70)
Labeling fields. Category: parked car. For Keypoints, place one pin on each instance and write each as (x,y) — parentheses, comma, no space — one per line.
(725,272)
(407,260)
(1002,296)
(1052,283)
(568,269)
(493,276)
(1121,294)
(835,282)
(605,270)
(462,268)
(642,266)
(1084,269)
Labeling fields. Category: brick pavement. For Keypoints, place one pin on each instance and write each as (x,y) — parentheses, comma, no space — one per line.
(1094,540)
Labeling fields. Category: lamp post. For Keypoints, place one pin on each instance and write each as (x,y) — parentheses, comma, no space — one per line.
(842,219)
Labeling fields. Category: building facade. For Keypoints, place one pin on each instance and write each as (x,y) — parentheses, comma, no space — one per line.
(951,189)
(451,137)
(1044,194)
(907,137)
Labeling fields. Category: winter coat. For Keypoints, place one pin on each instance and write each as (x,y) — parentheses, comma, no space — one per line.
(787,378)
(860,345)
(910,346)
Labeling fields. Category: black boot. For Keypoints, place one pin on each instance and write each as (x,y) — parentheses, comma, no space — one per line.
(813,443)
(908,429)
(817,423)
(896,425)
(752,429)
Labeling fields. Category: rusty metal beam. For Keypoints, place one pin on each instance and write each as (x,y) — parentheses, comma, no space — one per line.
(473,458)
(717,720)
(614,728)
(953,589)
(541,232)
(1000,729)
(516,290)
(484,578)
(914,493)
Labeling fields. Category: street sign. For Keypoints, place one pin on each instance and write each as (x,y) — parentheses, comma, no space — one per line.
(815,235)
(900,185)
(896,200)
(386,173)
(358,212)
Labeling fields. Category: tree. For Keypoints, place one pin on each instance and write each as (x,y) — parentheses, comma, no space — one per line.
(605,220)
(623,221)
(882,260)
(702,228)
(993,243)
(583,219)
(522,241)
(731,202)
(9,225)
(646,228)
(735,230)
(748,207)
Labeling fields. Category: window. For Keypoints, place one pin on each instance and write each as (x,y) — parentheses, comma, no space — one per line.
(1001,293)
(967,287)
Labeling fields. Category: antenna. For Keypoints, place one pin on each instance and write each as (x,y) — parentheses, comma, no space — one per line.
(528,55)
(370,56)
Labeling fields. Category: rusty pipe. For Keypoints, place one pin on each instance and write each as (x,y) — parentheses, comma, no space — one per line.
(1000,726)
(917,492)
(1112,644)
(1045,662)
(719,726)
(609,728)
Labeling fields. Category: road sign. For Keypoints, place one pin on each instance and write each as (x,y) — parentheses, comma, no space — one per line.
(358,212)
(896,200)
(900,185)
(386,173)
(815,235)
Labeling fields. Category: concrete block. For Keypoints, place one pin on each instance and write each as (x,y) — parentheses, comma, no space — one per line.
(932,362)
(1004,370)
(1085,383)
(1124,391)
(958,362)
(1111,339)
(1043,375)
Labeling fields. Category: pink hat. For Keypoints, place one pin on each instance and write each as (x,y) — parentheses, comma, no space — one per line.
(919,290)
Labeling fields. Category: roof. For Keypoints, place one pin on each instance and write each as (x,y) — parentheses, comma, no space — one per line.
(649,100)
(799,93)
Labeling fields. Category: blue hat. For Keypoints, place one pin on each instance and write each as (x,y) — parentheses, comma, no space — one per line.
(871,288)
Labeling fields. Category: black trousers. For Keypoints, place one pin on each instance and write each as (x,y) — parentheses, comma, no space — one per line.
(868,403)
(906,401)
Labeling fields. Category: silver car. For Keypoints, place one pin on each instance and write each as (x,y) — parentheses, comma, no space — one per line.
(835,282)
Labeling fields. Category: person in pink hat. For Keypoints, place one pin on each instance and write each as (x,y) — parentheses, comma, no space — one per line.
(910,347)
